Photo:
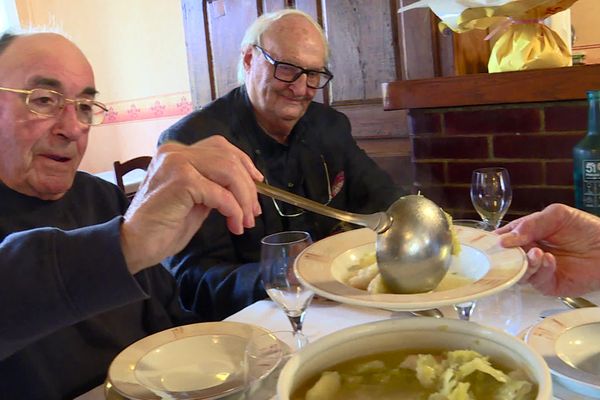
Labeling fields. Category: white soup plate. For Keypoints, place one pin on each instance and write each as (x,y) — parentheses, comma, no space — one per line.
(199,361)
(482,268)
(570,344)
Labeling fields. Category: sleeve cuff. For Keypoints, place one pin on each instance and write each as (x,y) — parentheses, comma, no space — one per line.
(93,270)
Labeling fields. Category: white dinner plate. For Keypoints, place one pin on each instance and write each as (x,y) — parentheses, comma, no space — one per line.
(482,268)
(199,361)
(570,344)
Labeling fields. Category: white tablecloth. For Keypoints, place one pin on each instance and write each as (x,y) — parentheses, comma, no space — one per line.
(504,311)
(325,317)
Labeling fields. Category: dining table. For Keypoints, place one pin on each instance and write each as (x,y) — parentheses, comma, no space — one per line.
(514,310)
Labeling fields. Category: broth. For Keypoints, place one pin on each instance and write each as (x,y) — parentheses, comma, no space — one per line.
(398,375)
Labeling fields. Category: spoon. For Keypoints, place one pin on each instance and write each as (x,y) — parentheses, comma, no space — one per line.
(414,243)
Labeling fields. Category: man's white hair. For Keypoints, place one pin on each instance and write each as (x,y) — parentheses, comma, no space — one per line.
(253,35)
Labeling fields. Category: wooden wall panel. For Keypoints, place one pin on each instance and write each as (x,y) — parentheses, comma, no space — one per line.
(471,52)
(228,20)
(417,48)
(311,7)
(371,121)
(386,147)
(394,157)
(272,5)
(425,52)
(445,42)
(362,49)
(195,43)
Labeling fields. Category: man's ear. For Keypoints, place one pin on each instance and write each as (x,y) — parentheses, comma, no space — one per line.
(247,57)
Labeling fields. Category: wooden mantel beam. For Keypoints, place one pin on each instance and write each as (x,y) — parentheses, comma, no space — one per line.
(555,84)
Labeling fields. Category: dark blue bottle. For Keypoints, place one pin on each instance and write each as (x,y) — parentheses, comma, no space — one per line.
(586,160)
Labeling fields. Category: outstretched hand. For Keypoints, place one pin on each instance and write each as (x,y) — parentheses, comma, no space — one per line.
(563,249)
(183,184)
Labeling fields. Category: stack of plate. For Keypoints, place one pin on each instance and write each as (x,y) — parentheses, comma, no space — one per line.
(198,361)
(570,344)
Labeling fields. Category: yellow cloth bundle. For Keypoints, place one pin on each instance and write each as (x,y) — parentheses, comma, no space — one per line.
(523,41)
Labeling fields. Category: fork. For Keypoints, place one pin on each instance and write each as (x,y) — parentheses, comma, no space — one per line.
(577,302)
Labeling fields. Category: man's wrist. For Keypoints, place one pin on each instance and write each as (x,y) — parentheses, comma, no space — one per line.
(130,249)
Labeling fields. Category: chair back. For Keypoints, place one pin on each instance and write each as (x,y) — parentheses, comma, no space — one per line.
(123,168)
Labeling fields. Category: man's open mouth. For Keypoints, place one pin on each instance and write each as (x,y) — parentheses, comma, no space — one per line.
(57,158)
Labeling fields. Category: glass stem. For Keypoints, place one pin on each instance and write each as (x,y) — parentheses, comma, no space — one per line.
(490,225)
(464,310)
(296,321)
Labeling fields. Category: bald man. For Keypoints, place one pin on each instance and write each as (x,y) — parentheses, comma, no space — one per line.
(299,145)
(78,273)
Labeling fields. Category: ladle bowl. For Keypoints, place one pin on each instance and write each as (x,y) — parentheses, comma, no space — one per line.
(414,241)
(414,255)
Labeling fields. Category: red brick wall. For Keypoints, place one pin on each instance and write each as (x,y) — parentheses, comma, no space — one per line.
(533,141)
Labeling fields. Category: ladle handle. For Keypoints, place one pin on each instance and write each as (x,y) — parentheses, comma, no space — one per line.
(379,222)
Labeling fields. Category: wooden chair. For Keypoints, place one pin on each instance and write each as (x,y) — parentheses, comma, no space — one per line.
(123,168)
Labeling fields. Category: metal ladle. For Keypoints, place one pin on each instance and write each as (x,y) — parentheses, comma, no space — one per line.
(414,243)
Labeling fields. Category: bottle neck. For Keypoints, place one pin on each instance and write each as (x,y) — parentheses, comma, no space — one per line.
(593,112)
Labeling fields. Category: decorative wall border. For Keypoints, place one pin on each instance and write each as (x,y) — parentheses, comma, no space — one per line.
(170,105)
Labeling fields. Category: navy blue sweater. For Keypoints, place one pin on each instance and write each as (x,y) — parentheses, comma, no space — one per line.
(68,304)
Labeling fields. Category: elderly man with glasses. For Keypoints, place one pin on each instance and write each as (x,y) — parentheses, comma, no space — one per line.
(80,279)
(300,145)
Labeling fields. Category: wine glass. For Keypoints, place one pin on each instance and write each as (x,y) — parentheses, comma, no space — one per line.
(277,254)
(265,356)
(491,194)
(503,310)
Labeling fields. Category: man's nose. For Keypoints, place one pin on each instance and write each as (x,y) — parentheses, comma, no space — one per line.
(299,85)
(68,125)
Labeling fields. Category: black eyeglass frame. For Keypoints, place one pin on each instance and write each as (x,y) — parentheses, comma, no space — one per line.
(325,74)
(63,101)
(329,195)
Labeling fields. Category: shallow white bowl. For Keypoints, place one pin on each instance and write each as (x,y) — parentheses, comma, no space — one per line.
(483,268)
(199,361)
(570,344)
(413,333)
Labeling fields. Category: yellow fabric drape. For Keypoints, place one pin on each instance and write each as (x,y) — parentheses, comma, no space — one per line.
(526,43)
(522,40)
(528,46)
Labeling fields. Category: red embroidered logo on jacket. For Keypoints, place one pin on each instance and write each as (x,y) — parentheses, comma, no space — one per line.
(338,184)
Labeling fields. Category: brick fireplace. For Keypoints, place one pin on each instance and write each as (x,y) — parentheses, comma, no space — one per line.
(532,139)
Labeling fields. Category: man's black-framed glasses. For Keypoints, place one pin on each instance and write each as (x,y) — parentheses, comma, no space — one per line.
(49,103)
(280,208)
(287,72)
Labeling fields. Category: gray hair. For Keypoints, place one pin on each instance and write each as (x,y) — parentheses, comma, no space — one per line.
(6,39)
(254,34)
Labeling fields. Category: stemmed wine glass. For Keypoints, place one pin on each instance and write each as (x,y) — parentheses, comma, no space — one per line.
(491,196)
(277,255)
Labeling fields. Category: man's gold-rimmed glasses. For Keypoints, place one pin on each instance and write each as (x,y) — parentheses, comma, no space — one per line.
(49,103)
(279,208)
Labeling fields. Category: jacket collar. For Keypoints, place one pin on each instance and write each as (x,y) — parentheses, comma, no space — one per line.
(251,138)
